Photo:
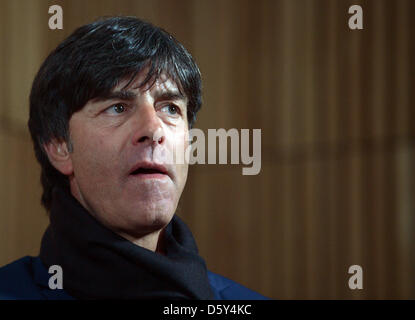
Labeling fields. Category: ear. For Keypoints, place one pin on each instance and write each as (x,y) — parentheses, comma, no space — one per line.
(59,156)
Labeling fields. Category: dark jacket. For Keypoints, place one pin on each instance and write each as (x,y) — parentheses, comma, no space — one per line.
(100,264)
(27,279)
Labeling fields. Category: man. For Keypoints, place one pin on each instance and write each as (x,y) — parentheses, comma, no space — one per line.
(108,106)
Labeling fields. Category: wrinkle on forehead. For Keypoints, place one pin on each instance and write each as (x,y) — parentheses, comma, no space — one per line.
(163,86)
(141,81)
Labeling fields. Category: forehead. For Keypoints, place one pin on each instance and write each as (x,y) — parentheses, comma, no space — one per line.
(158,83)
(161,87)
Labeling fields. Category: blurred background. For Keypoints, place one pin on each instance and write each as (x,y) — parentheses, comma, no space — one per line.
(335,107)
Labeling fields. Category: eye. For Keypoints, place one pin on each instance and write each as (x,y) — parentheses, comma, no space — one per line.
(171,109)
(116,109)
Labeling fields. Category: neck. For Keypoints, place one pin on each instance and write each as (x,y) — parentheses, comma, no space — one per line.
(152,241)
(101,264)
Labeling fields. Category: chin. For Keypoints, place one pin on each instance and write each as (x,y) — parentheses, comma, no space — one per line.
(152,217)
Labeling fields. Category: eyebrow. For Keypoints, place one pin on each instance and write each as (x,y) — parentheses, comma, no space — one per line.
(117,95)
(169,95)
(130,95)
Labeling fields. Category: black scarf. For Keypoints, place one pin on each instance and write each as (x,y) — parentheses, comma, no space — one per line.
(99,264)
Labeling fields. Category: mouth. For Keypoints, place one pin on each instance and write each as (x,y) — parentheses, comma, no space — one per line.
(149,170)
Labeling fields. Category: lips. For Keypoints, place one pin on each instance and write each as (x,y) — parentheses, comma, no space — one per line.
(148,168)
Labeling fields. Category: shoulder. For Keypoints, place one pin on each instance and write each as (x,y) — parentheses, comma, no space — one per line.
(27,279)
(17,280)
(226,289)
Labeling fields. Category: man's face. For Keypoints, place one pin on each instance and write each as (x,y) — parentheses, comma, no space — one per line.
(120,147)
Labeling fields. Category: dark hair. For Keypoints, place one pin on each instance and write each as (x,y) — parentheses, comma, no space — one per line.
(89,64)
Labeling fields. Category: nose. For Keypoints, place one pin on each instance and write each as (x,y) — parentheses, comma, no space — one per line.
(147,128)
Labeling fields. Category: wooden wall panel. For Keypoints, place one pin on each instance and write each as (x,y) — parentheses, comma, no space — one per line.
(22,218)
(335,107)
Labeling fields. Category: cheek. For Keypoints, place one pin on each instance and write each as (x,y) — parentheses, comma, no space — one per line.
(177,143)
(179,137)
(94,156)
(182,144)
(184,170)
